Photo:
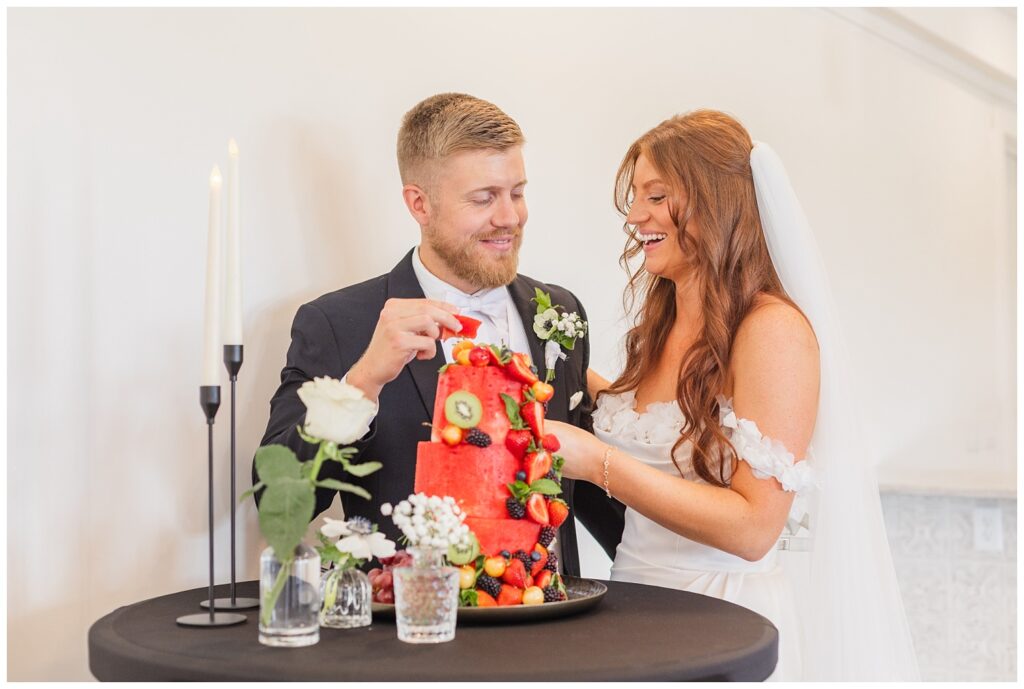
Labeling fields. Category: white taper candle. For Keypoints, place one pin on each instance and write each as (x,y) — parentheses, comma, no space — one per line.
(233,279)
(212,350)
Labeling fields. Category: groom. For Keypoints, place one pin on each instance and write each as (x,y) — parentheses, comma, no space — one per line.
(463,177)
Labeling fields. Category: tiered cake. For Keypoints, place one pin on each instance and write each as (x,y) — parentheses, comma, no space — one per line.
(488,450)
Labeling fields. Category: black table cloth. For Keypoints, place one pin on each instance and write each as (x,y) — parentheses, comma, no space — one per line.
(635,633)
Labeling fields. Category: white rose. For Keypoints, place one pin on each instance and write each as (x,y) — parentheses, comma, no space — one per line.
(336,411)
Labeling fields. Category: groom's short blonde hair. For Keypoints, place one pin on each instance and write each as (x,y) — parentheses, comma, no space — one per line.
(450,123)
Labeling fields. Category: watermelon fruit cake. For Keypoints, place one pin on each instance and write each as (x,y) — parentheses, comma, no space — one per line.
(488,450)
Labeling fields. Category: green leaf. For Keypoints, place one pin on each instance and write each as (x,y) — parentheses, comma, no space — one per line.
(284,514)
(512,411)
(543,300)
(364,469)
(276,462)
(252,491)
(557,462)
(307,469)
(519,490)
(545,486)
(328,553)
(342,486)
(468,598)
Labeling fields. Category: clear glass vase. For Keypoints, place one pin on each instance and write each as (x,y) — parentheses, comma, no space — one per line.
(427,556)
(347,599)
(292,618)
(426,598)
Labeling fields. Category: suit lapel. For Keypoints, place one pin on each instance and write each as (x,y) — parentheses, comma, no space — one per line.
(522,292)
(402,284)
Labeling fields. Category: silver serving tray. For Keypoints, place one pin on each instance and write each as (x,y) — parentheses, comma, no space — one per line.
(584,594)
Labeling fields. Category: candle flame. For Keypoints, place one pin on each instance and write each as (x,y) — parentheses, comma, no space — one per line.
(232,148)
(215,178)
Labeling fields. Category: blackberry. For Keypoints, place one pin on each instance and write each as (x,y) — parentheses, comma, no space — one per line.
(547,535)
(478,438)
(525,558)
(516,509)
(552,475)
(552,595)
(485,582)
(552,565)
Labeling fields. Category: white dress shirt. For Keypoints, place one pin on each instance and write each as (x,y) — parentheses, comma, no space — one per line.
(500,322)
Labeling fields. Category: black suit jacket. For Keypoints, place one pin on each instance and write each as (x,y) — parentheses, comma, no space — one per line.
(330,333)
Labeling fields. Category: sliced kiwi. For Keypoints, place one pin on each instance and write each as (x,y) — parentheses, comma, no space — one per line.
(459,554)
(463,409)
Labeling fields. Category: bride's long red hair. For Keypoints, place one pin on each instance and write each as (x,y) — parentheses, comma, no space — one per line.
(706,154)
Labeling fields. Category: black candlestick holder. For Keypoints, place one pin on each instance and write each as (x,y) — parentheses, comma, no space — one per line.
(209,400)
(233,363)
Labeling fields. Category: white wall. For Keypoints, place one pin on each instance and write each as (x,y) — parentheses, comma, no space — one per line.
(116,116)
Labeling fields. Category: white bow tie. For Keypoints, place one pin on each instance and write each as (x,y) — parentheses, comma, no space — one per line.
(493,304)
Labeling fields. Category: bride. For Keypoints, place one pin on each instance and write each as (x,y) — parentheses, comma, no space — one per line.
(731,425)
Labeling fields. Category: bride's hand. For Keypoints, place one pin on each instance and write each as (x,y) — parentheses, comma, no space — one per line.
(581,450)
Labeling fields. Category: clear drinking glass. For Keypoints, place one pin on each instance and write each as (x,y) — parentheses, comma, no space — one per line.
(426,603)
(294,618)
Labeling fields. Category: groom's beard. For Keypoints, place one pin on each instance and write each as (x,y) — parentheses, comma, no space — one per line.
(475,264)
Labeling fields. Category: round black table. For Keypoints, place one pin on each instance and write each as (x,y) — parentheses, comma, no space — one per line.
(636,633)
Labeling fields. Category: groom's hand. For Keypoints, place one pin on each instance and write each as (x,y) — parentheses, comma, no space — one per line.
(407,329)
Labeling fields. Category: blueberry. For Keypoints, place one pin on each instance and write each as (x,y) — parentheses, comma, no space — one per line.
(535,556)
(520,475)
(505,554)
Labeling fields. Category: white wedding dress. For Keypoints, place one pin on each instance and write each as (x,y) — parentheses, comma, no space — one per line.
(653,555)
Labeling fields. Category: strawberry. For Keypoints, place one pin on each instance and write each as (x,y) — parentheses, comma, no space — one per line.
(529,580)
(485,600)
(537,508)
(542,580)
(533,415)
(519,368)
(510,595)
(558,511)
(538,565)
(538,464)
(515,574)
(469,326)
(550,443)
(517,442)
(480,356)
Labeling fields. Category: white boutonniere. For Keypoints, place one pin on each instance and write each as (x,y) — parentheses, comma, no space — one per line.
(559,330)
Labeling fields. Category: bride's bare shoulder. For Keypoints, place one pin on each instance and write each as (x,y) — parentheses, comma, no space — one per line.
(776,336)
